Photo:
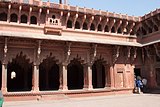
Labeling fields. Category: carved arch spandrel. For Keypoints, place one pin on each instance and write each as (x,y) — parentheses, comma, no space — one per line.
(79,57)
(101,59)
(12,53)
(48,60)
(22,59)
(51,54)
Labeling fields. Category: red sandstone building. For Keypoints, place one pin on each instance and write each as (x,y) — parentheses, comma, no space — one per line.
(57,49)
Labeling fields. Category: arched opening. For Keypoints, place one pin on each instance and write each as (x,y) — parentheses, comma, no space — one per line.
(98,74)
(49,74)
(106,29)
(19,74)
(132,33)
(92,27)
(23,19)
(113,29)
(85,26)
(150,30)
(33,20)
(13,17)
(53,16)
(75,75)
(119,30)
(77,25)
(143,31)
(99,27)
(69,24)
(3,16)
(155,28)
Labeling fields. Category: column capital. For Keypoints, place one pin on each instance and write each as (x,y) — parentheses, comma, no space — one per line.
(37,63)
(64,63)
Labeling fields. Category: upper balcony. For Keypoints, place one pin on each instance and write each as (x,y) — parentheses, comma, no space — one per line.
(67,21)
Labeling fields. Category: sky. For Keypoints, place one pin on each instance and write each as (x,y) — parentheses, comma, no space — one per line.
(130,7)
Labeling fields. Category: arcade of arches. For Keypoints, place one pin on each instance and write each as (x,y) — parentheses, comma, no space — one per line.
(20,73)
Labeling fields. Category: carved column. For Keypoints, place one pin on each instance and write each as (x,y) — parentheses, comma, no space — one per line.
(112,76)
(67,18)
(63,77)
(4,68)
(35,78)
(99,21)
(74,20)
(63,67)
(83,20)
(19,14)
(35,87)
(4,78)
(104,24)
(88,77)
(9,12)
(39,16)
(29,17)
(46,19)
(90,22)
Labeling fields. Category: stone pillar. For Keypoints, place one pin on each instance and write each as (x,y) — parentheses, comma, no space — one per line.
(88,77)
(29,16)
(9,12)
(63,77)
(4,78)
(112,76)
(19,14)
(35,78)
(107,76)
(39,16)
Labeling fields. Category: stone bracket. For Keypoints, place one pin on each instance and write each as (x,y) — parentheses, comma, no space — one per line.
(116,53)
(156,49)
(93,53)
(68,51)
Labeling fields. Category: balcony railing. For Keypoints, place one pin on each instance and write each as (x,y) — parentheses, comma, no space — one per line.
(55,22)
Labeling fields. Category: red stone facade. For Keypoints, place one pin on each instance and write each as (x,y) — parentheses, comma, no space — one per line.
(57,49)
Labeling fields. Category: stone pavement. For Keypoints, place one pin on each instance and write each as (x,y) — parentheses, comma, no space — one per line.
(135,100)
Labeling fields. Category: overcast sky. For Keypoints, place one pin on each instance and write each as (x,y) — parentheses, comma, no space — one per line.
(130,7)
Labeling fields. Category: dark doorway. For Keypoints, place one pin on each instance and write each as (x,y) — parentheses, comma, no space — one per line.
(75,75)
(49,74)
(98,75)
(22,68)
(137,72)
(3,16)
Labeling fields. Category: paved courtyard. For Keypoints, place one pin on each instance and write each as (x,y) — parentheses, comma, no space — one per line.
(136,100)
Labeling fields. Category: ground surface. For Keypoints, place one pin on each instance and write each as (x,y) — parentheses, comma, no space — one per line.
(136,100)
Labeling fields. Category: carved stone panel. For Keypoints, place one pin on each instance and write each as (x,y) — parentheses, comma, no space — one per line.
(13,52)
